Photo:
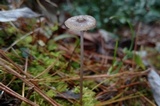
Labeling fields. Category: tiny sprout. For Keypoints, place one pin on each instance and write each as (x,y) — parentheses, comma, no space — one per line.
(81,23)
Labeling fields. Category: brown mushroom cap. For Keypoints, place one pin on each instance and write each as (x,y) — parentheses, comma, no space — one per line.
(81,23)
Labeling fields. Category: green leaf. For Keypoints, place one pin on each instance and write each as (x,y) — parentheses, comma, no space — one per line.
(139,61)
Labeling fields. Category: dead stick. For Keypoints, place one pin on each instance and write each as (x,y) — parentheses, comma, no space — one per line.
(2,53)
(94,77)
(15,94)
(13,72)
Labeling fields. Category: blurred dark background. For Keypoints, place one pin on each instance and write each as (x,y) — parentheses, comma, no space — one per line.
(110,14)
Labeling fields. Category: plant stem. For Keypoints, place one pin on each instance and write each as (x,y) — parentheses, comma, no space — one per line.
(81,67)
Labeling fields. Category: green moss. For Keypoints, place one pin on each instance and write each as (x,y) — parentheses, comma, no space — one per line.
(88,97)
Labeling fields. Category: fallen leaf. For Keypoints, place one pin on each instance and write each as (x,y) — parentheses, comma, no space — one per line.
(13,15)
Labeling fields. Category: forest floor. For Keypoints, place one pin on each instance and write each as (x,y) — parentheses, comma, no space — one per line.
(40,63)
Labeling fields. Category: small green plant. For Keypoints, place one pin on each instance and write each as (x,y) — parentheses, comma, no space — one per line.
(88,97)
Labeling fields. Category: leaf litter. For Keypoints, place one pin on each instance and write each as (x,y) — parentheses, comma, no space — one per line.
(53,67)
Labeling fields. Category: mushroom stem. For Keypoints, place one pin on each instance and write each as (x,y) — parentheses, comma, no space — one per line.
(81,67)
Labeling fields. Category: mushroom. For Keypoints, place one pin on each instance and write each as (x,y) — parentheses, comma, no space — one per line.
(81,23)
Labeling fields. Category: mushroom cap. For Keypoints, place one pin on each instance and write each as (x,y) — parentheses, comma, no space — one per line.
(81,23)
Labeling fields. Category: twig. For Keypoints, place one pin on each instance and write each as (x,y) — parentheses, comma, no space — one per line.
(25,70)
(2,53)
(94,77)
(27,82)
(120,99)
(13,93)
